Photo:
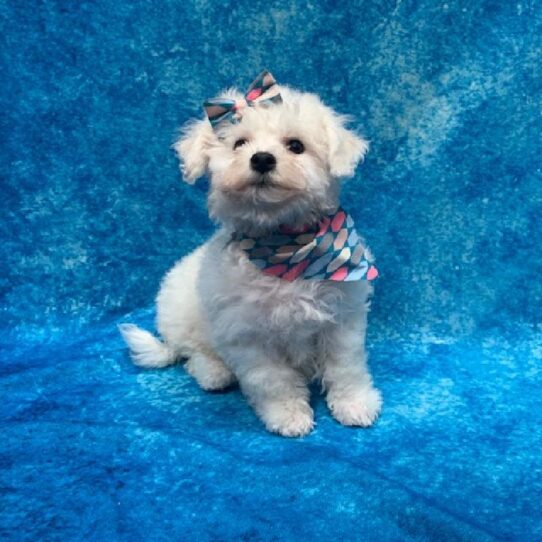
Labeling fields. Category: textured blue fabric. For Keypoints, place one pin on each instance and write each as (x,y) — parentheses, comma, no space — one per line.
(93,213)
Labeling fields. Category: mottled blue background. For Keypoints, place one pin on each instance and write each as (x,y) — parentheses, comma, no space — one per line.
(93,213)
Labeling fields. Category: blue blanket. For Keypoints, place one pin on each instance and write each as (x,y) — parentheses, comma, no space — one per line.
(93,213)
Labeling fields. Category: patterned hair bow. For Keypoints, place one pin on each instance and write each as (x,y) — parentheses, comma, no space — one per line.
(263,89)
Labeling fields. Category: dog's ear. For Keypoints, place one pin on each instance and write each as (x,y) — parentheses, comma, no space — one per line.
(197,137)
(345,147)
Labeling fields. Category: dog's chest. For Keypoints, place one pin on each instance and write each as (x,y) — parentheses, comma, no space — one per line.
(242,293)
(286,308)
(300,302)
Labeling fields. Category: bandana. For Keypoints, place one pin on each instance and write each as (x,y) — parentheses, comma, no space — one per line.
(263,89)
(332,250)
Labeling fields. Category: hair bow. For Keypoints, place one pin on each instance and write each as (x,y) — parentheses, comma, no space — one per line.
(263,89)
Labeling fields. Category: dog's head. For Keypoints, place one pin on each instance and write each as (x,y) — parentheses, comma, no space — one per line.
(280,165)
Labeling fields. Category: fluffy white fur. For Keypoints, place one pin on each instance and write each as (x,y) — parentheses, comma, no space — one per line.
(233,322)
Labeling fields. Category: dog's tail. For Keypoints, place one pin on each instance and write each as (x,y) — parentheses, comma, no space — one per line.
(145,349)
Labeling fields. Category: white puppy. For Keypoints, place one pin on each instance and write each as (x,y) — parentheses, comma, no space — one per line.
(232,321)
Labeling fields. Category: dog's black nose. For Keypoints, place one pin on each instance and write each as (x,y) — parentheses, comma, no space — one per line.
(263,162)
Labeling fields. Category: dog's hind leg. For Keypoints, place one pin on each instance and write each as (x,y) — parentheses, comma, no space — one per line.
(209,371)
(183,330)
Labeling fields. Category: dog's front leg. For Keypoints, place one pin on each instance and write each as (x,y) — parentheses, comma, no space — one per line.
(351,396)
(277,392)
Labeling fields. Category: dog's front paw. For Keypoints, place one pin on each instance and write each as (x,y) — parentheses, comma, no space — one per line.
(293,418)
(360,409)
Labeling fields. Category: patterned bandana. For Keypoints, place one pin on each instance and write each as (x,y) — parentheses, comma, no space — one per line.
(263,89)
(332,250)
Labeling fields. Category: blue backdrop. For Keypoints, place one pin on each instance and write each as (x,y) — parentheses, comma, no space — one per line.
(93,213)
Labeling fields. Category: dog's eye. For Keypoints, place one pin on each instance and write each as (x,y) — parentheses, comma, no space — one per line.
(239,143)
(295,146)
